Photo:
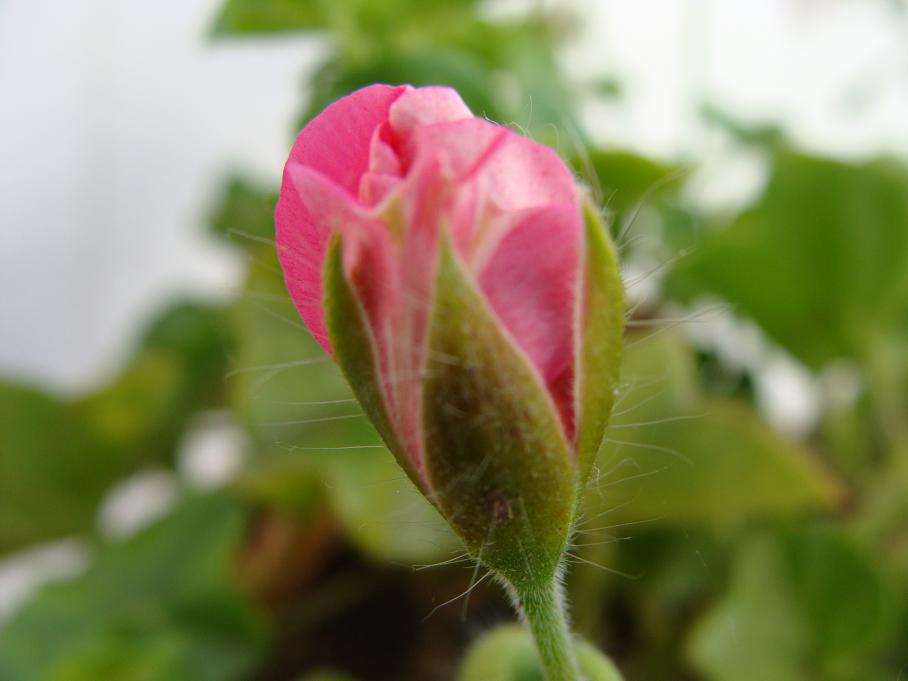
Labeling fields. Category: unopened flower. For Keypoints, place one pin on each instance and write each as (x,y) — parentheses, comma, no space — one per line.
(469,292)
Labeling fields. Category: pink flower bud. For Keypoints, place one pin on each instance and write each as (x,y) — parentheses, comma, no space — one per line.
(470,294)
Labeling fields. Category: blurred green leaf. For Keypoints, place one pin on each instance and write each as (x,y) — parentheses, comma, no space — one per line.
(675,456)
(383,512)
(282,384)
(178,369)
(627,183)
(819,262)
(239,17)
(845,599)
(59,457)
(244,17)
(757,631)
(807,598)
(286,392)
(244,213)
(161,605)
(53,470)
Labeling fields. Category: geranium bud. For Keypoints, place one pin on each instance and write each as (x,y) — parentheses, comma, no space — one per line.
(470,294)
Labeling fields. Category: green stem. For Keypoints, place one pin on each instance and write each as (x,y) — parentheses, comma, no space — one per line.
(543,609)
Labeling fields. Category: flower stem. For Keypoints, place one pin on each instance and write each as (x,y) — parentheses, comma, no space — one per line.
(543,609)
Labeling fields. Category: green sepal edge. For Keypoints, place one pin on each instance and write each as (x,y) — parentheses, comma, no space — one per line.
(355,351)
(496,459)
(601,338)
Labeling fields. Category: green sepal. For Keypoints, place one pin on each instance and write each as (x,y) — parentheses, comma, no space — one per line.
(507,653)
(354,350)
(496,459)
(601,338)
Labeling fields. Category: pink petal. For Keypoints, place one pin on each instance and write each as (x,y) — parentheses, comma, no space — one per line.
(531,283)
(517,172)
(336,143)
(382,156)
(368,258)
(426,106)
(495,172)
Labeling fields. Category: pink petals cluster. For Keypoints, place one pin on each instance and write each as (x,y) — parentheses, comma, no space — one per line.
(394,172)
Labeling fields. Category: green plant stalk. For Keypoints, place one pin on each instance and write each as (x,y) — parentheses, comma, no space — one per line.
(543,609)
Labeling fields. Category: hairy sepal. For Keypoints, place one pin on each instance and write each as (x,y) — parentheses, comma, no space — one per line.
(601,338)
(496,458)
(354,350)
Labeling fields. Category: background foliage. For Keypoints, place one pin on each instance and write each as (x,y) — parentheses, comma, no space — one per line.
(712,548)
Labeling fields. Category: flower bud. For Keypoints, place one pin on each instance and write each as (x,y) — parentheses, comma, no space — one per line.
(470,294)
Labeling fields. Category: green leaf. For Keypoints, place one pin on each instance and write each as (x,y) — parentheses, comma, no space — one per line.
(239,17)
(757,632)
(178,369)
(348,19)
(285,391)
(819,262)
(280,379)
(507,653)
(806,598)
(58,458)
(496,458)
(845,599)
(677,457)
(383,512)
(244,213)
(162,605)
(53,470)
(627,183)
